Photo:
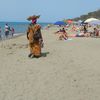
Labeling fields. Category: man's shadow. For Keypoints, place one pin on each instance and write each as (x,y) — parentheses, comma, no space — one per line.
(44,54)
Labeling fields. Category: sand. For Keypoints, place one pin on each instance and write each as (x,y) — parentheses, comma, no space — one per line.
(67,70)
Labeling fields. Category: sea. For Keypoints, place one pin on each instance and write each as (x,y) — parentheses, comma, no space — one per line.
(19,27)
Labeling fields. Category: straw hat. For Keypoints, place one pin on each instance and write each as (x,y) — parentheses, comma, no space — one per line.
(33,17)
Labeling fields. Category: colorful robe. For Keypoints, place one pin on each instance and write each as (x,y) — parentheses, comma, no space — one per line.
(35,45)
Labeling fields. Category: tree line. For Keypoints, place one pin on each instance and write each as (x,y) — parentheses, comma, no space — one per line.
(94,14)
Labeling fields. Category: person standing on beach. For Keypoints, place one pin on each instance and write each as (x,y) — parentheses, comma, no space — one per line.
(12,31)
(6,30)
(35,37)
(85,29)
(0,34)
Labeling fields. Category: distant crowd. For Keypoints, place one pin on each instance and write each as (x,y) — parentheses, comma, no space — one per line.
(85,30)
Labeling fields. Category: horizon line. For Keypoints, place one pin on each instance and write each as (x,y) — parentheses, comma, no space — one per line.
(24,21)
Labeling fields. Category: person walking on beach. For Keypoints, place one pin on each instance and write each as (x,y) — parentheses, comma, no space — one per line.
(35,37)
(7,28)
(12,31)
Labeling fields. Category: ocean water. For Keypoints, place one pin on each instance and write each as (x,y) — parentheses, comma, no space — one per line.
(20,27)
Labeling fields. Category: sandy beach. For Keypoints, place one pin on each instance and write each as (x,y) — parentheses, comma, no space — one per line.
(67,70)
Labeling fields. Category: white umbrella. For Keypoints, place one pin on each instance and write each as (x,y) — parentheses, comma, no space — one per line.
(96,22)
(90,19)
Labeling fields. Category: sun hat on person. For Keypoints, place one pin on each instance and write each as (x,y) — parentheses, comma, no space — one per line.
(33,17)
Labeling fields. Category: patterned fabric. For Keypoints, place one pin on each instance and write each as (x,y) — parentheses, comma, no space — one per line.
(35,45)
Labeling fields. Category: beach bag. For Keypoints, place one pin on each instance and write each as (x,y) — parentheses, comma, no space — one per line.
(37,35)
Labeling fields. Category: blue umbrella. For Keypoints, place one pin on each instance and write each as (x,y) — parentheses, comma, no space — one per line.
(59,23)
(95,22)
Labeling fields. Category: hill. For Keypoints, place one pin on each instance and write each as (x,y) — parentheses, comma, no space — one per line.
(94,14)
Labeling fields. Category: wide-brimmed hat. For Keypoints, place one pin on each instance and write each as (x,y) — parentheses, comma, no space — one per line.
(33,17)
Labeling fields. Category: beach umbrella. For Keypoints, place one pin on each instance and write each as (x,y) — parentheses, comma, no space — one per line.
(96,22)
(59,23)
(90,19)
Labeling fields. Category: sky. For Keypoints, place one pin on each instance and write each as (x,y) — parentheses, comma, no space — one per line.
(50,10)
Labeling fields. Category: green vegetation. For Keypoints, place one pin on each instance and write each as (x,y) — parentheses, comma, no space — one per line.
(94,14)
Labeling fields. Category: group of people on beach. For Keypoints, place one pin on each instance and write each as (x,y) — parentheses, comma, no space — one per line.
(85,30)
(35,38)
(7,31)
(89,31)
(36,41)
